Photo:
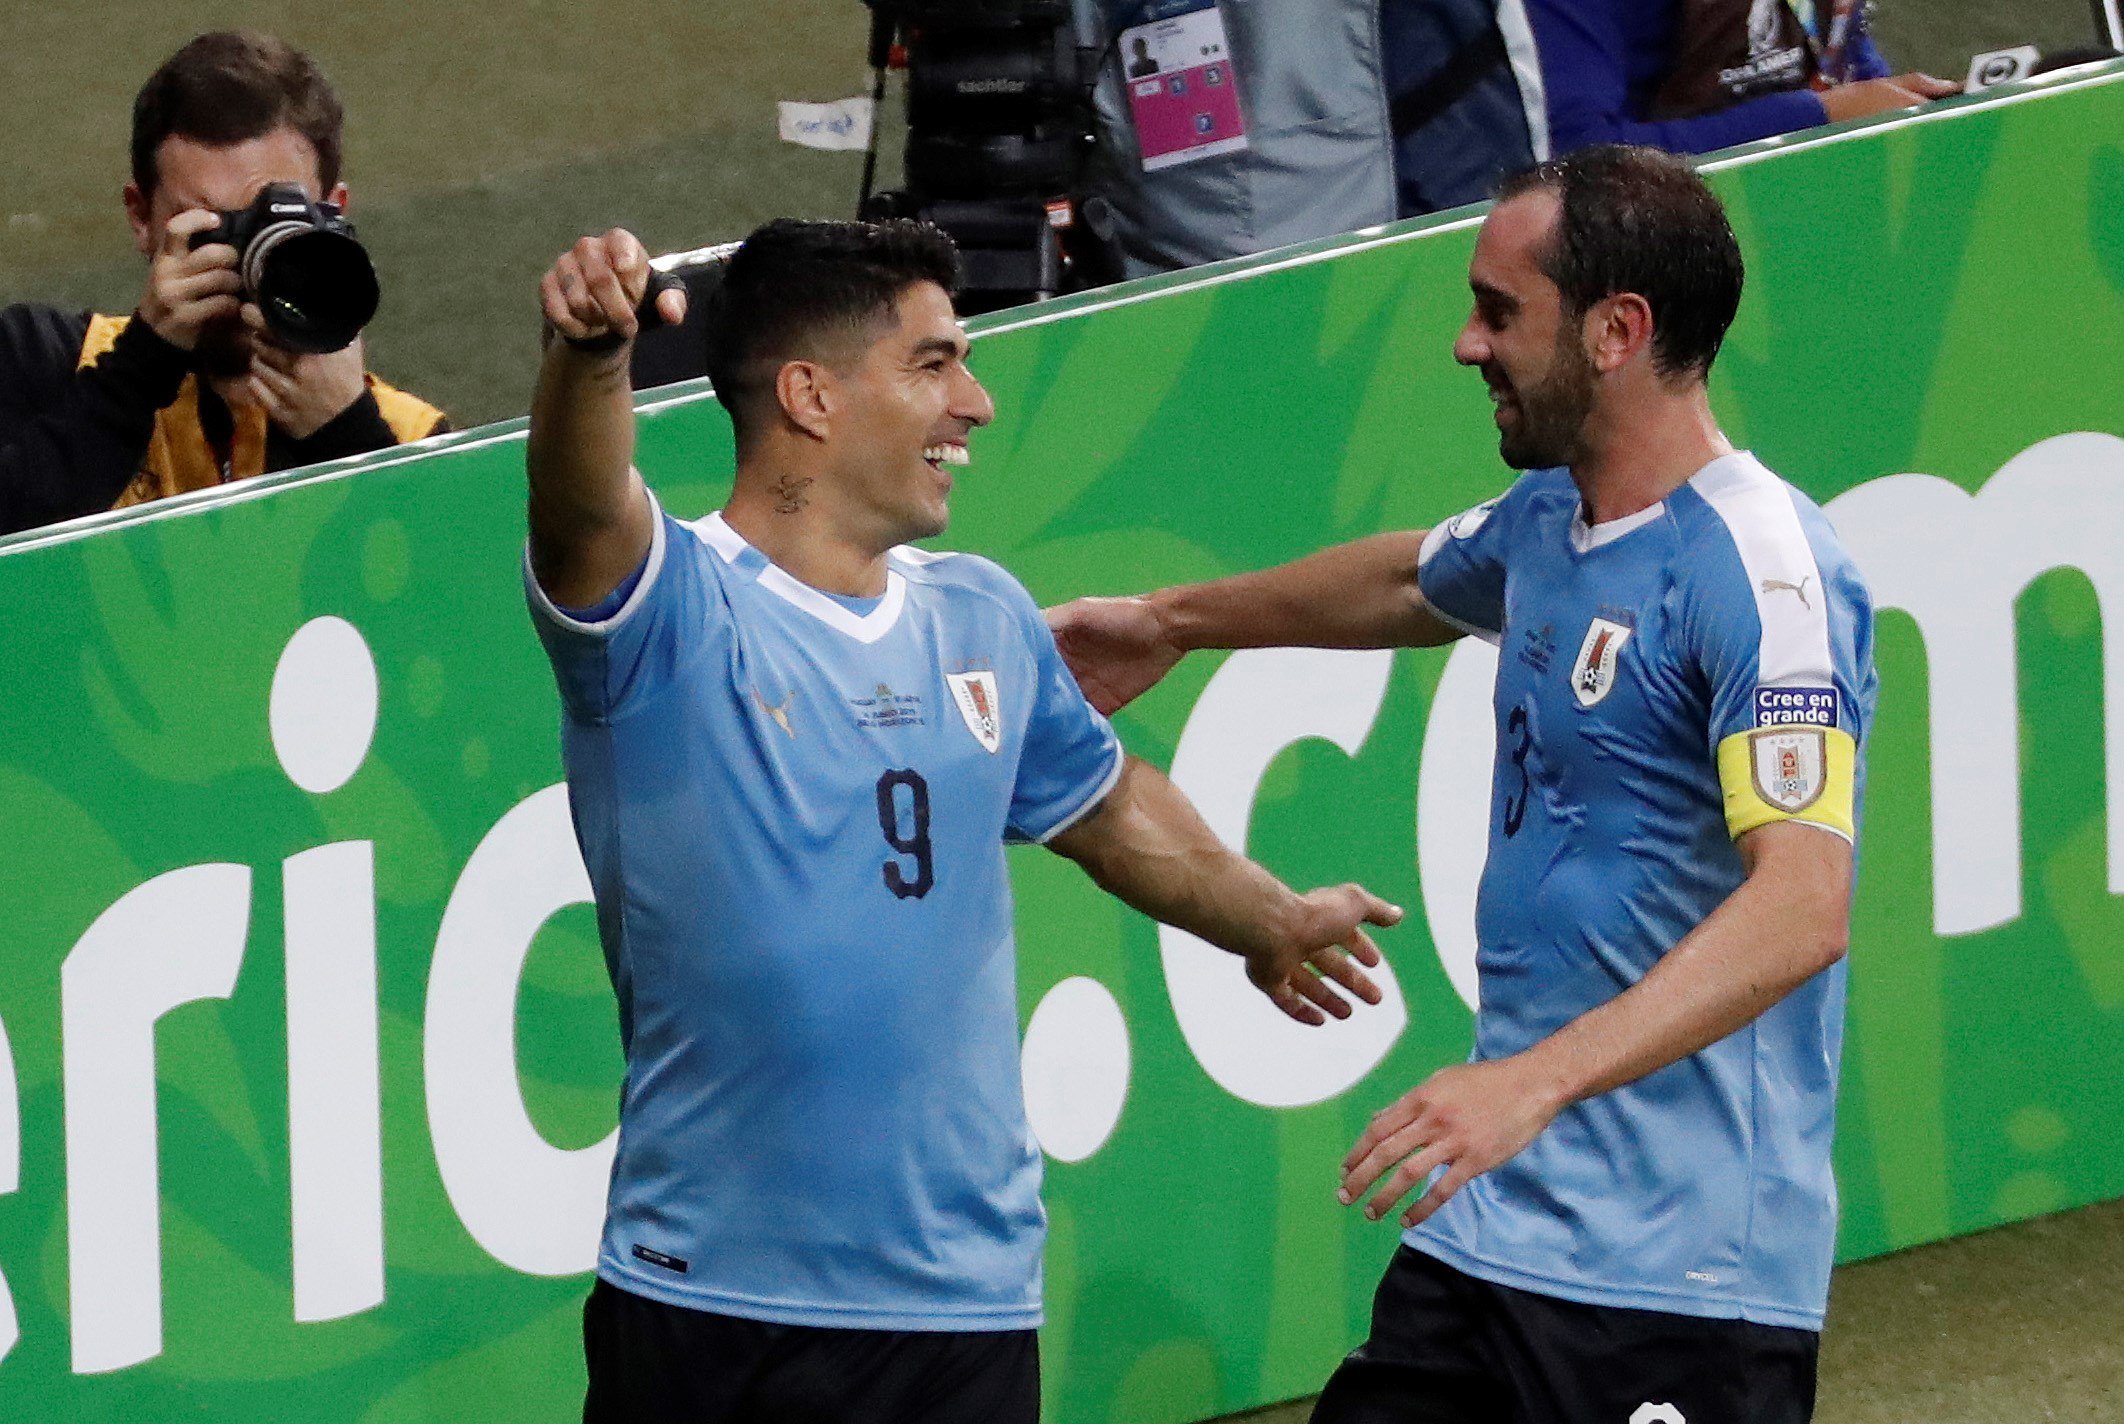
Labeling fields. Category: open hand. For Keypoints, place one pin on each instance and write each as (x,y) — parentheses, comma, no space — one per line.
(1117,647)
(1321,949)
(1466,1118)
(1880,96)
(299,392)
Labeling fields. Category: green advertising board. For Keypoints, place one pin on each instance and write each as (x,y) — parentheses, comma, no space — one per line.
(310,1064)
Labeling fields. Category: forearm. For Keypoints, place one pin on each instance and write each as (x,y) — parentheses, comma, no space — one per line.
(63,466)
(360,429)
(1589,79)
(1771,935)
(1361,594)
(72,439)
(586,501)
(1148,847)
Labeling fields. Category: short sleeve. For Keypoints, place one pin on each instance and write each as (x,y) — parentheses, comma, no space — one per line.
(1070,758)
(607,667)
(1461,570)
(1780,649)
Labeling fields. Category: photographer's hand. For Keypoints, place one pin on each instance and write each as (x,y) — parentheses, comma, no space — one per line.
(301,394)
(188,290)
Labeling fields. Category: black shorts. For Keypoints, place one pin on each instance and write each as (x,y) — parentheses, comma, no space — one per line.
(1447,1348)
(652,1363)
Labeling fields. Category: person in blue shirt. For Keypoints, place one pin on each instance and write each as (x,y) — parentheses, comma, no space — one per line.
(1690,76)
(1625,1206)
(795,749)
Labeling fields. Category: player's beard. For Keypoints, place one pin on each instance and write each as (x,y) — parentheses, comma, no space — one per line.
(1552,415)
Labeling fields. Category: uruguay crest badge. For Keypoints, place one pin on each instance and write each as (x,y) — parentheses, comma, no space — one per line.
(1791,766)
(975,692)
(1593,675)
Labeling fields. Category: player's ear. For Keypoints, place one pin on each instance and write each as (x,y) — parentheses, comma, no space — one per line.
(1617,329)
(139,215)
(803,390)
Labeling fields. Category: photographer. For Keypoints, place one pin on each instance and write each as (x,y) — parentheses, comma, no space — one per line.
(196,388)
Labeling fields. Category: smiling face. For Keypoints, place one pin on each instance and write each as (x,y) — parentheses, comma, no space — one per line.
(1531,354)
(906,407)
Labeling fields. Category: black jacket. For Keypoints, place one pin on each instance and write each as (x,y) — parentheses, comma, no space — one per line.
(73,437)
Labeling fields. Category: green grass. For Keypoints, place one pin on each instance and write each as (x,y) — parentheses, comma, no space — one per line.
(484,138)
(479,145)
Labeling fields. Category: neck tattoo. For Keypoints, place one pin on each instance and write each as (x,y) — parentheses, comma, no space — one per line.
(789,496)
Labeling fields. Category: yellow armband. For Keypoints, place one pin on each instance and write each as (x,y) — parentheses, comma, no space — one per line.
(1788,773)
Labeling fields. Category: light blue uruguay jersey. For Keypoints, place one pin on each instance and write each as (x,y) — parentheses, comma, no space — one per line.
(1666,683)
(794,813)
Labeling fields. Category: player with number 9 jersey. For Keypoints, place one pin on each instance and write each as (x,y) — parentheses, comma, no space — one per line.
(794,808)
(796,747)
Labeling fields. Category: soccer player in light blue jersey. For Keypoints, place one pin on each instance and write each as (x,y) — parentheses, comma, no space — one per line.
(1627,1212)
(795,749)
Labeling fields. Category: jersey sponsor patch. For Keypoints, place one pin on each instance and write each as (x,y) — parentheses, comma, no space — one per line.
(1796,707)
(975,693)
(1593,675)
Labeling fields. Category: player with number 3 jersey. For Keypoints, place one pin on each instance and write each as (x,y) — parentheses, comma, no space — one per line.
(1624,1209)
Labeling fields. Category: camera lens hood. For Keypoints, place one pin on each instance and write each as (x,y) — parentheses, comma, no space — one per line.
(315,284)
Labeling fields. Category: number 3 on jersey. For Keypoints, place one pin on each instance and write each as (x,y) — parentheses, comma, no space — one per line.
(1515,806)
(905,883)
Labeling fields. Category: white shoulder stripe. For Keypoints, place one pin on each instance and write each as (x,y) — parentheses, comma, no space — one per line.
(1433,541)
(651,569)
(1789,598)
(908,553)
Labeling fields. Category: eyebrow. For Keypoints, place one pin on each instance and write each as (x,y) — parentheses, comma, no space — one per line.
(940,346)
(1496,295)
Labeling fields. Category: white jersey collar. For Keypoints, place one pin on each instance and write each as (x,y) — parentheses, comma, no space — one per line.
(1587,537)
(730,546)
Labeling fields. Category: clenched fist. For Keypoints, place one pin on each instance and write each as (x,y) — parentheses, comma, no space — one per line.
(591,292)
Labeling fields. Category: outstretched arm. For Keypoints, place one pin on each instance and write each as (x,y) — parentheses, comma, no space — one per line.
(589,513)
(1787,922)
(1148,846)
(1362,594)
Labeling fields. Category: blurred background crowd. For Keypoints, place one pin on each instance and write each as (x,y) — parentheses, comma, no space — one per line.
(1064,143)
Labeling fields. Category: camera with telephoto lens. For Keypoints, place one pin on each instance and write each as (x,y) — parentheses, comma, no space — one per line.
(999,132)
(299,262)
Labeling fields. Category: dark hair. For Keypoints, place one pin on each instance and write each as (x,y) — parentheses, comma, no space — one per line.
(1641,220)
(793,286)
(231,86)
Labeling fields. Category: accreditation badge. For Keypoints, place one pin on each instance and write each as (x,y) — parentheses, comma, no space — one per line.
(1183,88)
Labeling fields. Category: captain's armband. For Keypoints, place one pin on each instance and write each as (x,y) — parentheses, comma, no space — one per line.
(1794,764)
